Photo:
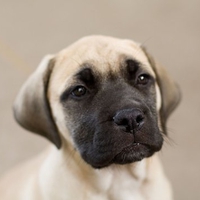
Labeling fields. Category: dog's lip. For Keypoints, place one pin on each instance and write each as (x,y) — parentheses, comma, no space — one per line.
(135,146)
(132,153)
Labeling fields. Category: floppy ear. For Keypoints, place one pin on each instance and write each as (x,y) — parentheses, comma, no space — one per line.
(31,107)
(170,91)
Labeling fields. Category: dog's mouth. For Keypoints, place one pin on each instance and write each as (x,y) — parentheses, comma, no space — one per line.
(133,153)
(124,150)
(113,144)
(129,154)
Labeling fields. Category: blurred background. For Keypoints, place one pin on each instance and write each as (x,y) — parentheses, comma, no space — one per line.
(169,29)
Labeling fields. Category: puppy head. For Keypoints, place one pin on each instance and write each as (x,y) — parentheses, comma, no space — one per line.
(104,96)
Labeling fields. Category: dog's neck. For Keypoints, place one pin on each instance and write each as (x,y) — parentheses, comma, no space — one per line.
(66,167)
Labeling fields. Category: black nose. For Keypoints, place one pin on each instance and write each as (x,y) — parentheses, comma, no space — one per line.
(129,120)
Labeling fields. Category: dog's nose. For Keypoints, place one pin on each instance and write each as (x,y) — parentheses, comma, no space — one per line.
(129,120)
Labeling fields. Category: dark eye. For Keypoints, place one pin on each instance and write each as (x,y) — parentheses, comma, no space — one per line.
(79,91)
(143,79)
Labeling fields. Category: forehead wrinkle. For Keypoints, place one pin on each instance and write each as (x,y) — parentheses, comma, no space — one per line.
(105,55)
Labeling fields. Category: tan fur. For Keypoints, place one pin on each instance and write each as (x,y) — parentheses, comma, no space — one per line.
(62,174)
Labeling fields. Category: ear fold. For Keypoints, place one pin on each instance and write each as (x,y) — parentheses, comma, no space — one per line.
(31,107)
(170,91)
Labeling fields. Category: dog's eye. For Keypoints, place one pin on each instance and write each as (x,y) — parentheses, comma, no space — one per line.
(143,79)
(79,91)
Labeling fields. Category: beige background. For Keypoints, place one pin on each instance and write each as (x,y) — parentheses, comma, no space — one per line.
(171,31)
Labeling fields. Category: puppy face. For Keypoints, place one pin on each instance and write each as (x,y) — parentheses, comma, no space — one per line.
(109,102)
(105,97)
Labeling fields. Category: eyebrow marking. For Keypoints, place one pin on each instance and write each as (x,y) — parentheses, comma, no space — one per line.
(86,75)
(132,66)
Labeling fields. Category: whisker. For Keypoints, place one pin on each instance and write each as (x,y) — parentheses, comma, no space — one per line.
(146,40)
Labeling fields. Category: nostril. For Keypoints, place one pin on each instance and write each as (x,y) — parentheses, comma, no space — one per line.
(139,119)
(120,121)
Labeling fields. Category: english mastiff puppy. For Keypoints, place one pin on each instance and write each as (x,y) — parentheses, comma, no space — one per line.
(103,102)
